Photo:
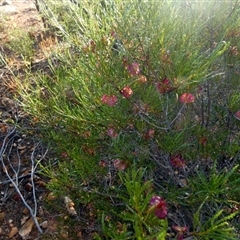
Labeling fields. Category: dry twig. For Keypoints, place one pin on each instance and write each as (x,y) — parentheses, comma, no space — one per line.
(6,148)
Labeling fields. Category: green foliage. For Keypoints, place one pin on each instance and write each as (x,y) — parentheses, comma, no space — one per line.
(21,44)
(164,101)
(139,221)
(216,227)
(218,186)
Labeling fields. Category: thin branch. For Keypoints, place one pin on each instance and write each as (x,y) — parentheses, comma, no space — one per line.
(14,181)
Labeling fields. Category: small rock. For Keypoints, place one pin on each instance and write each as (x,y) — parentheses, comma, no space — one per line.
(26,228)
(13,232)
(10,221)
(24,219)
(44,224)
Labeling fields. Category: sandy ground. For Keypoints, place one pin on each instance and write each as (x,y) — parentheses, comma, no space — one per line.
(21,14)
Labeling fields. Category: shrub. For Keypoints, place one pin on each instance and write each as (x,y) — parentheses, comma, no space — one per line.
(144,85)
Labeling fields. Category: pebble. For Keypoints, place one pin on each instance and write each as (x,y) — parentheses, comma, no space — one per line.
(10,221)
(44,224)
(13,232)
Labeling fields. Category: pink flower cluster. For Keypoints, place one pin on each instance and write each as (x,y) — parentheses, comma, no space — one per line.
(187,98)
(126,92)
(177,161)
(112,100)
(112,132)
(109,100)
(133,69)
(159,206)
(164,86)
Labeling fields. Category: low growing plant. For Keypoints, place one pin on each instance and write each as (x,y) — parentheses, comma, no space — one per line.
(21,44)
